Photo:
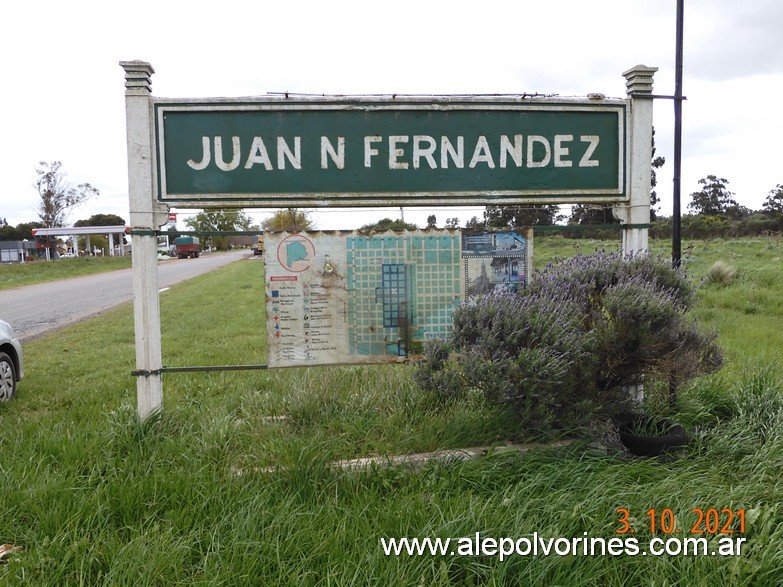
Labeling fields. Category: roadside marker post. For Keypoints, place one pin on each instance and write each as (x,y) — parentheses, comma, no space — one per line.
(146,214)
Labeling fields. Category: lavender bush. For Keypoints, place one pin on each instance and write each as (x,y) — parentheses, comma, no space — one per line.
(565,347)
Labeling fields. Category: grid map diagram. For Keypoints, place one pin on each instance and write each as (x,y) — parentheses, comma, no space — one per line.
(402,290)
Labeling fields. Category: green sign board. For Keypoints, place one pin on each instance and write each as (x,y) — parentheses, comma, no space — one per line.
(279,152)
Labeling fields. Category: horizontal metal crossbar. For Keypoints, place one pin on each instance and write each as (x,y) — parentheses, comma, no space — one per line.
(589,227)
(150,232)
(195,369)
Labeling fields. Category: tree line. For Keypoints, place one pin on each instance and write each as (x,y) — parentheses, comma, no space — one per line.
(712,212)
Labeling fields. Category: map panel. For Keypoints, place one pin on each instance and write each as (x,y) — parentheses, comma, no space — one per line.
(341,297)
(404,288)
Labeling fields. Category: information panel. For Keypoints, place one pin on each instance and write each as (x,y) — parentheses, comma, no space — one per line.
(494,260)
(321,153)
(344,297)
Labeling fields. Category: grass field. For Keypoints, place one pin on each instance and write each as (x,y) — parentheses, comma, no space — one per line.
(17,275)
(232,484)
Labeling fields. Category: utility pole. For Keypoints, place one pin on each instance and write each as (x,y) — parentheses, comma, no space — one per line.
(676,211)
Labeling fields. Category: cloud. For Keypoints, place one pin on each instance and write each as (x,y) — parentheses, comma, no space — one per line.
(727,39)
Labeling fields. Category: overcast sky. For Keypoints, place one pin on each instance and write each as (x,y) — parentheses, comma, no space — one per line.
(63,90)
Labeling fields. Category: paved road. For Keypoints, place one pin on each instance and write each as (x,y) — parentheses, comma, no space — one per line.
(41,308)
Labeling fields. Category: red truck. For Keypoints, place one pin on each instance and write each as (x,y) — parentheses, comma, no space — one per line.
(187,247)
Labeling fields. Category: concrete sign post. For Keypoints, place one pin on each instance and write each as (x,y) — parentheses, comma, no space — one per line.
(146,214)
(639,82)
(293,151)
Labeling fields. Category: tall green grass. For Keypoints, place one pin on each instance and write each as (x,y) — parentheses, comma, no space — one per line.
(232,483)
(39,271)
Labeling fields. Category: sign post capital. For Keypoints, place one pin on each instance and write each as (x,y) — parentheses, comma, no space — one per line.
(138,78)
(639,86)
(145,213)
(639,80)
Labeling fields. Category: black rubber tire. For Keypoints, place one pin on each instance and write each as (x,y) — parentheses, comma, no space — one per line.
(666,436)
(7,378)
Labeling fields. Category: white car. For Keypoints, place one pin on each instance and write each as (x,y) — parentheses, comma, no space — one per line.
(11,362)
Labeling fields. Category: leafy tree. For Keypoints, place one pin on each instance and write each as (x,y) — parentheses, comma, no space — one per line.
(288,219)
(738,212)
(388,224)
(24,230)
(714,199)
(452,222)
(773,205)
(101,220)
(57,194)
(592,215)
(657,163)
(475,222)
(218,220)
(529,215)
(432,222)
(7,232)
